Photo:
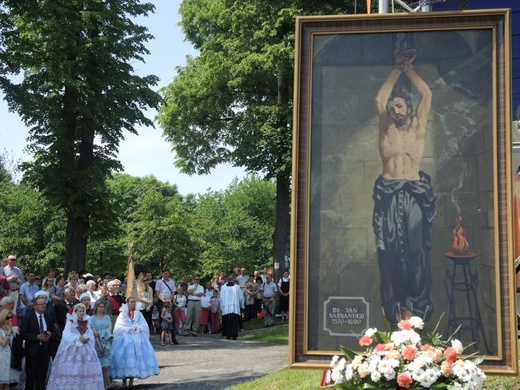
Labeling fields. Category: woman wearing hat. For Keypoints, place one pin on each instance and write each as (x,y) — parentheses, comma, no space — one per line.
(76,365)
(85,299)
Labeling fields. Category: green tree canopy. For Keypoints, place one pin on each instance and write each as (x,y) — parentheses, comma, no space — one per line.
(232,102)
(235,226)
(78,94)
(131,199)
(5,176)
(31,228)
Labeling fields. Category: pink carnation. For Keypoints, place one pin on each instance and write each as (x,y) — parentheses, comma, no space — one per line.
(409,352)
(365,341)
(405,325)
(404,380)
(380,347)
(427,347)
(451,354)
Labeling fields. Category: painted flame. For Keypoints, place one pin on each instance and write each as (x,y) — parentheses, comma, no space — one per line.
(460,244)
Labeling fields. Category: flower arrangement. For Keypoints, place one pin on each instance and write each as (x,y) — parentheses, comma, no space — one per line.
(403,360)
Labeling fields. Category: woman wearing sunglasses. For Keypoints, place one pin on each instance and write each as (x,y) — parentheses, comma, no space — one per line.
(7,374)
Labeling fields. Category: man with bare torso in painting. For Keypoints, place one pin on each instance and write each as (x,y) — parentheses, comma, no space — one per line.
(404,200)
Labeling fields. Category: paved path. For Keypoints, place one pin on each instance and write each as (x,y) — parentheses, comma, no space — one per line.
(210,362)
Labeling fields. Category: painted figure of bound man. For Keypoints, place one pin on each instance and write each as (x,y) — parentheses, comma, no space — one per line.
(404,200)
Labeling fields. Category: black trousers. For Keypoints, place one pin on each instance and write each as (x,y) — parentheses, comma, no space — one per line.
(36,368)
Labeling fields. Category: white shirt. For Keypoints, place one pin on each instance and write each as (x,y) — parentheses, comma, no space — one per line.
(9,272)
(43,320)
(197,290)
(165,288)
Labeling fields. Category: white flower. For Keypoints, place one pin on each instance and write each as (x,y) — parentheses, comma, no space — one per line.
(455,386)
(417,375)
(398,337)
(387,368)
(349,373)
(373,362)
(457,346)
(375,376)
(417,322)
(394,362)
(334,360)
(336,375)
(328,377)
(408,337)
(357,361)
(370,332)
(423,360)
(430,376)
(342,364)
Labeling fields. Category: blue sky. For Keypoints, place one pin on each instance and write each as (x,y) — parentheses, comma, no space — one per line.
(148,153)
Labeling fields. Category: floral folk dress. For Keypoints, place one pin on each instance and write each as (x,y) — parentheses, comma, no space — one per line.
(76,365)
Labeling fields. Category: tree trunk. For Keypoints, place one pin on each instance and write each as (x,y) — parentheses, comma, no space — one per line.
(76,243)
(281,227)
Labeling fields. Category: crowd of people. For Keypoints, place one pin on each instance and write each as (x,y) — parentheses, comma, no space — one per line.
(81,330)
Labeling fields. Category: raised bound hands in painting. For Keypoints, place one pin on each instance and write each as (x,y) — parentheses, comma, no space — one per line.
(403,59)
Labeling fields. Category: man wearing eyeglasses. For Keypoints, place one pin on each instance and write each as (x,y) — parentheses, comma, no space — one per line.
(195,293)
(116,300)
(39,332)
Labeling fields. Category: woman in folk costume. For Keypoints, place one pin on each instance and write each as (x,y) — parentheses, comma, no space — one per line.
(132,354)
(76,365)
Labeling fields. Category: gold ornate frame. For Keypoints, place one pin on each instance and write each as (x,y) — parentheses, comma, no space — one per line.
(340,62)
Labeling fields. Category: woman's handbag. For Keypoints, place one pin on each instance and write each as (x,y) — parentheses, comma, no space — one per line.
(16,363)
(16,360)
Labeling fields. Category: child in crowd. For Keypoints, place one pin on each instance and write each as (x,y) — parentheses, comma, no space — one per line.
(204,313)
(179,303)
(258,297)
(215,311)
(250,313)
(156,319)
(166,322)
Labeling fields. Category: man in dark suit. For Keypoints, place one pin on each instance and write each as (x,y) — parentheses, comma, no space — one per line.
(39,332)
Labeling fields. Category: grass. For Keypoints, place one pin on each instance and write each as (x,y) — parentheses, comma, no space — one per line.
(274,335)
(310,379)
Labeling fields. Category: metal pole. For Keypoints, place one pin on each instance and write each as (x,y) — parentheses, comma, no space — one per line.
(383,6)
(426,6)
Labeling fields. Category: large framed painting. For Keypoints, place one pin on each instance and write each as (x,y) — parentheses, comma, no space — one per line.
(402,182)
